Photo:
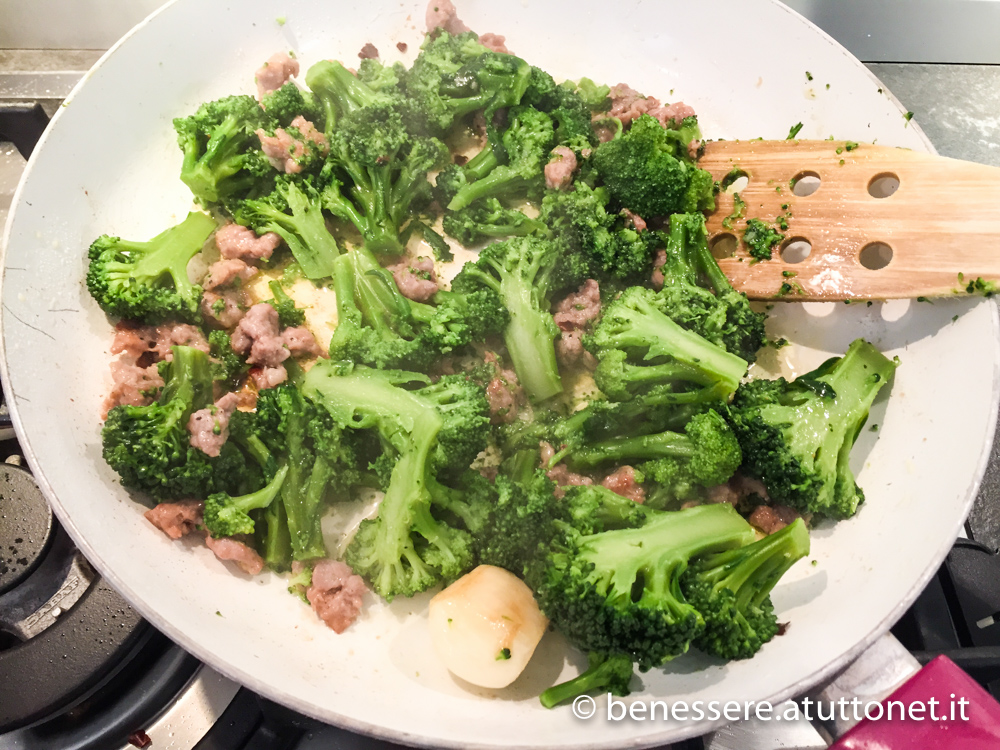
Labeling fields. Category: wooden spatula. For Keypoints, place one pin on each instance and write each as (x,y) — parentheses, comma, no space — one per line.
(937,233)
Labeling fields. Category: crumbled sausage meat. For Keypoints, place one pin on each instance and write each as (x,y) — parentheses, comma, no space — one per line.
(132,342)
(176,519)
(224,272)
(368,52)
(627,104)
(237,242)
(441,14)
(772,518)
(286,149)
(132,385)
(658,263)
(722,493)
(559,171)
(258,333)
(224,308)
(572,316)
(580,307)
(300,342)
(268,377)
(416,279)
(560,473)
(570,351)
(233,550)
(275,73)
(635,221)
(209,427)
(504,393)
(495,42)
(623,482)
(336,594)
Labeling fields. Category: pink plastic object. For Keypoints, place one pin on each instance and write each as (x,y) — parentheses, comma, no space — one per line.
(955,695)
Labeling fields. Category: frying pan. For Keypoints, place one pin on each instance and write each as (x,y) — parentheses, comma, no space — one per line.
(109,163)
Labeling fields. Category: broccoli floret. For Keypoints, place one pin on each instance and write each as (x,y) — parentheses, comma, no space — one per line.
(295,212)
(648,170)
(620,380)
(607,674)
(525,515)
(525,272)
(289,102)
(717,312)
(148,281)
(300,582)
(222,156)
(378,326)
(288,314)
(797,436)
(454,75)
(596,97)
(618,592)
(488,219)
(381,78)
(456,320)
(227,366)
(385,171)
(319,458)
(404,549)
(340,93)
(579,220)
(635,324)
(150,446)
(563,102)
(226,515)
(760,239)
(527,141)
(707,449)
(732,591)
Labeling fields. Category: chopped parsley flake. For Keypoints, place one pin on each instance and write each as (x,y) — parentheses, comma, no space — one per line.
(504,654)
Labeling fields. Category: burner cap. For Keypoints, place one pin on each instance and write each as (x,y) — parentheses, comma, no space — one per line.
(25,526)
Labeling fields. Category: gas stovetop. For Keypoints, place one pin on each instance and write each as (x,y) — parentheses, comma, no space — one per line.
(84,672)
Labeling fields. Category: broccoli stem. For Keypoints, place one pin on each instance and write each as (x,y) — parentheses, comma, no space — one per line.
(605,673)
(530,340)
(168,253)
(751,572)
(481,164)
(277,541)
(662,445)
(633,322)
(189,380)
(499,181)
(304,231)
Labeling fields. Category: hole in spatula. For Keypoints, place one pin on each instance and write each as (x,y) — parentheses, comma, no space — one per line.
(723,245)
(805,183)
(796,250)
(883,185)
(735,181)
(875,256)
